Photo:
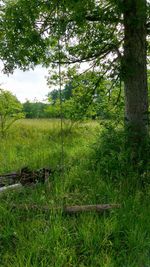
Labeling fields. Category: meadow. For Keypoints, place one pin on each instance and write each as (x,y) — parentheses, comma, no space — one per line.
(95,171)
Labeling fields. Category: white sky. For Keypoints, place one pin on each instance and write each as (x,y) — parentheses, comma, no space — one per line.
(26,85)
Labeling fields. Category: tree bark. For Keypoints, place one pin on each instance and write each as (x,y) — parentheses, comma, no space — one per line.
(135,70)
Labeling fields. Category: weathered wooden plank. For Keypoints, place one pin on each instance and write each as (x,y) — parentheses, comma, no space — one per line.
(10,187)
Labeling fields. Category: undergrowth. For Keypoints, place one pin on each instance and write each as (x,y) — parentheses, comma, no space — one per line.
(96,171)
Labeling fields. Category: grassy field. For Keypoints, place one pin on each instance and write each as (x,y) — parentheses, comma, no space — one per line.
(96,171)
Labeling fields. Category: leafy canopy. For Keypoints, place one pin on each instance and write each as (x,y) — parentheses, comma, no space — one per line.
(66,31)
(89,31)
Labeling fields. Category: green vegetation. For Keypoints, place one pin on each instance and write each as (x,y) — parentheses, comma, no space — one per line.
(10,111)
(103,162)
(35,110)
(86,96)
(96,170)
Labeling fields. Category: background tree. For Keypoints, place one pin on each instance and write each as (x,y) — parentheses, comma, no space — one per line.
(10,111)
(87,97)
(34,109)
(65,94)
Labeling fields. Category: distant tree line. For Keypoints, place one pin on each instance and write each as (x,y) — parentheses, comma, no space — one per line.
(35,110)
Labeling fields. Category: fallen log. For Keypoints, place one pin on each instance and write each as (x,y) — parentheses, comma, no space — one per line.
(68,209)
(86,208)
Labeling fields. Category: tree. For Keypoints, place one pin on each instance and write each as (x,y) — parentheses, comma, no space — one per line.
(10,110)
(66,93)
(83,98)
(135,66)
(108,34)
(34,109)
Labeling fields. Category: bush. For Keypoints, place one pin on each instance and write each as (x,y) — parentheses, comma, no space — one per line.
(10,111)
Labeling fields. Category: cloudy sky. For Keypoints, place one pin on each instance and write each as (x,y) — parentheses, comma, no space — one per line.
(26,85)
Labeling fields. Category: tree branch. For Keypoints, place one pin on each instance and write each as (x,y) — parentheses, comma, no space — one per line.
(97,18)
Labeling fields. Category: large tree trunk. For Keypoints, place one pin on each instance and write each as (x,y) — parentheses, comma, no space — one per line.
(135,70)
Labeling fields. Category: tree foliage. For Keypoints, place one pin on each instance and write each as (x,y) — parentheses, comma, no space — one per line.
(89,31)
(10,110)
(89,97)
(34,109)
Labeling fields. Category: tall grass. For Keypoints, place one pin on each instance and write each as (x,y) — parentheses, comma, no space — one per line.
(95,171)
